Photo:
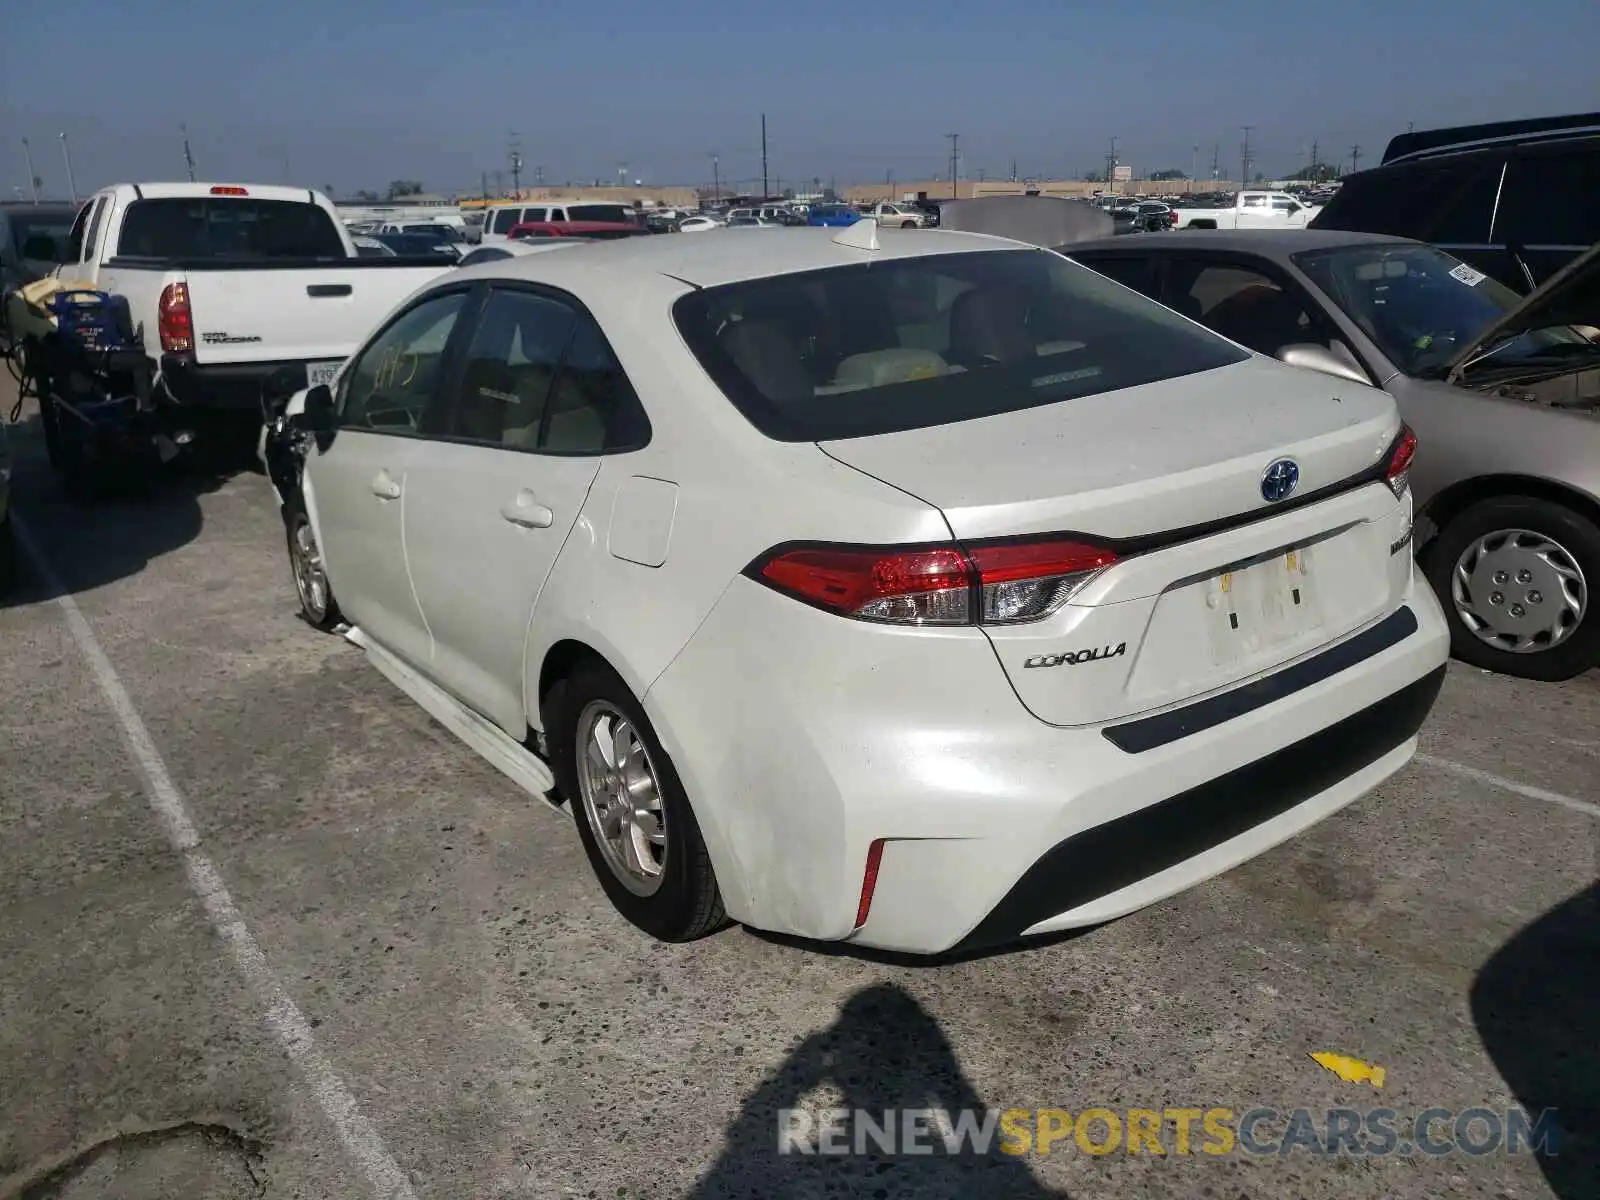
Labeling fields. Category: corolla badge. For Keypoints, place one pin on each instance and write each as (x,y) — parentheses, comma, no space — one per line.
(1279,480)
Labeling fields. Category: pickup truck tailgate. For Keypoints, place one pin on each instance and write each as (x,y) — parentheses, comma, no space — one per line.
(295,313)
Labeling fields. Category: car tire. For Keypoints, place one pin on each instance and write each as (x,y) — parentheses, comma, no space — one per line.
(908,224)
(318,605)
(1475,565)
(672,895)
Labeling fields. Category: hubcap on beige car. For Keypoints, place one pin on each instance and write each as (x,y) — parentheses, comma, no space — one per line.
(1519,591)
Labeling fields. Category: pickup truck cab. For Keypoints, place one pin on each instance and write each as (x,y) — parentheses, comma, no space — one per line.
(227,285)
(1250,210)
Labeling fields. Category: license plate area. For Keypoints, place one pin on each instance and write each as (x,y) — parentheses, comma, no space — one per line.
(1258,605)
(319,373)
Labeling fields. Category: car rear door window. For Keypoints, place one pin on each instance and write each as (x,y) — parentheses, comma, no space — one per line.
(396,379)
(504,220)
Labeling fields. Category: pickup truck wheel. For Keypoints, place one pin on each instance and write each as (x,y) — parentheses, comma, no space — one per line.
(908,224)
(1516,577)
(632,814)
(317,604)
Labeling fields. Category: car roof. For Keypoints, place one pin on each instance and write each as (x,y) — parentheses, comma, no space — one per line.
(709,262)
(1274,243)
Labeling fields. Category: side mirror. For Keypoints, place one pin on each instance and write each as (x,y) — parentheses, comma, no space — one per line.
(1309,357)
(317,415)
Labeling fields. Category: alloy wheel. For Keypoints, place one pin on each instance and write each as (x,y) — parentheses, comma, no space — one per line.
(621,796)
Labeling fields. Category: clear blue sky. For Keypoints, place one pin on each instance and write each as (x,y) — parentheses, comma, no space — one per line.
(355,94)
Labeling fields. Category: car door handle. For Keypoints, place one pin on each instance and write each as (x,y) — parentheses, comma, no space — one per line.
(526,511)
(384,487)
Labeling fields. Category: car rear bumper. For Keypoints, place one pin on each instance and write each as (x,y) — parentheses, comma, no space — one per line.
(803,738)
(234,387)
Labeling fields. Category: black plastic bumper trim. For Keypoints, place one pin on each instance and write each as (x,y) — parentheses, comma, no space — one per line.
(1164,728)
(1108,857)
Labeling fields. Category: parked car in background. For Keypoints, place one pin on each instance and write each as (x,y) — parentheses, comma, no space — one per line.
(501,219)
(1516,199)
(1504,394)
(685,516)
(420,245)
(1250,210)
(832,215)
(748,221)
(370,247)
(593,230)
(1154,216)
(34,240)
(902,215)
(698,224)
(233,283)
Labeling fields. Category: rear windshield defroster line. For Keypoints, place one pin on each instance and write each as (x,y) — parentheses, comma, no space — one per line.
(911,343)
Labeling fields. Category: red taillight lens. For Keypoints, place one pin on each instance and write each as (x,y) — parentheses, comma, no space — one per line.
(1023,581)
(989,583)
(909,587)
(1398,468)
(869,881)
(225,190)
(174,320)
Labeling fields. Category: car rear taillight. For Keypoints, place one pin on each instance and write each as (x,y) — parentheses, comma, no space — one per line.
(988,583)
(1023,581)
(1398,469)
(174,319)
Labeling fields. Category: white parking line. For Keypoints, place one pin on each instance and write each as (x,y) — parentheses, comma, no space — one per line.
(283,1017)
(1509,785)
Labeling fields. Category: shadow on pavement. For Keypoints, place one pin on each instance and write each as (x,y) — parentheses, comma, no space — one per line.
(90,543)
(884,1052)
(1537,1007)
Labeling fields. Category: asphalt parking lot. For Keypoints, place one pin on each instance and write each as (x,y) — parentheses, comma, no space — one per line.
(400,978)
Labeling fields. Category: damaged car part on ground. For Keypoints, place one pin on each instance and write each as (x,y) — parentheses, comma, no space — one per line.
(754,541)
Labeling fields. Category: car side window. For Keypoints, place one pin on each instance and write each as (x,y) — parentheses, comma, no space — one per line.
(1245,305)
(389,387)
(1253,202)
(510,366)
(1129,270)
(593,408)
(504,219)
(92,237)
(80,225)
(1549,200)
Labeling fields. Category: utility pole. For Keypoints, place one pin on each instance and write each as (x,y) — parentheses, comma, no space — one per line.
(1244,157)
(499,183)
(516,165)
(955,165)
(716,180)
(1013,170)
(1355,158)
(33,176)
(66,157)
(1111,168)
(1313,157)
(486,187)
(763,156)
(188,158)
(538,177)
(1194,163)
(1216,161)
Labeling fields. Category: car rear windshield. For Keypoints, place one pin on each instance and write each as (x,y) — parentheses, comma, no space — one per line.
(917,342)
(600,212)
(228,228)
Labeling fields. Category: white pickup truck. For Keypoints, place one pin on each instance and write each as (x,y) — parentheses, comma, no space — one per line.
(1250,210)
(901,216)
(227,285)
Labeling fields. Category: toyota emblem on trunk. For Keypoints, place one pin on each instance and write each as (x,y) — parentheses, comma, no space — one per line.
(1279,480)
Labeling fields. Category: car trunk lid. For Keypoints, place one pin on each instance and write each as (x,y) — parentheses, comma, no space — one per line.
(1213,582)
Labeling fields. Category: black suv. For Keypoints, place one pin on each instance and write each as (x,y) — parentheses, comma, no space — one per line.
(1516,199)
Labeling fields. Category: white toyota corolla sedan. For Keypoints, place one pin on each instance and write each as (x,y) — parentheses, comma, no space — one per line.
(923,593)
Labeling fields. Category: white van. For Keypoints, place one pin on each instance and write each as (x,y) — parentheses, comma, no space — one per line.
(501,218)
